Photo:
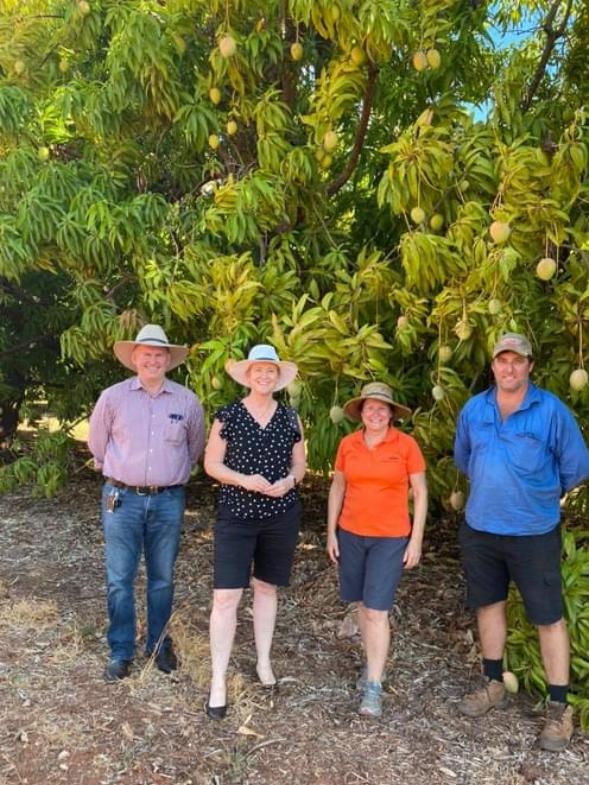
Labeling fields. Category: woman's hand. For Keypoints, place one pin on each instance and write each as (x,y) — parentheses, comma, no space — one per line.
(332,547)
(256,483)
(412,555)
(281,487)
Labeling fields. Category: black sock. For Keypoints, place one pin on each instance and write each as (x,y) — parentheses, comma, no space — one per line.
(558,693)
(493,669)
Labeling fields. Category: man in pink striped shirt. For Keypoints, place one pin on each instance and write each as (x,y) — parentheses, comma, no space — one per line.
(146,434)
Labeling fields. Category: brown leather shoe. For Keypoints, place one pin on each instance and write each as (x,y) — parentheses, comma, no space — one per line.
(558,728)
(490,696)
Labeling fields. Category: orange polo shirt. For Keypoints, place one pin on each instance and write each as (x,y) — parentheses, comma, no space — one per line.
(376,500)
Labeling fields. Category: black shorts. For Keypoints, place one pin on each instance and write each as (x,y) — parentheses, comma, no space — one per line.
(533,563)
(267,542)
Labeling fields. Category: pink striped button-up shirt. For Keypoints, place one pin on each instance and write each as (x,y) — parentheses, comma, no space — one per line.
(141,439)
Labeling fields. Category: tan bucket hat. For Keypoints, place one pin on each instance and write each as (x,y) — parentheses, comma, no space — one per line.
(149,335)
(379,392)
(262,353)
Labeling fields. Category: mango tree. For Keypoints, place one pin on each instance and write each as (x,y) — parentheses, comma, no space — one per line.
(374,186)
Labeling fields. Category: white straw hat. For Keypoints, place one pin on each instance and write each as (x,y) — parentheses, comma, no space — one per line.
(149,335)
(262,353)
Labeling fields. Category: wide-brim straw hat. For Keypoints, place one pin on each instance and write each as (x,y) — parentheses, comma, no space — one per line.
(379,392)
(262,353)
(149,335)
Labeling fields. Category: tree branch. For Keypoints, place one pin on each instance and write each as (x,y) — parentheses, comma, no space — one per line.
(28,344)
(334,186)
(552,36)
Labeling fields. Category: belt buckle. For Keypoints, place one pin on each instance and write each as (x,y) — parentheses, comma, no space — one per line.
(140,491)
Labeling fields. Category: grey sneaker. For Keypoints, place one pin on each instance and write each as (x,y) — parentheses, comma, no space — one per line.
(371,705)
(363,678)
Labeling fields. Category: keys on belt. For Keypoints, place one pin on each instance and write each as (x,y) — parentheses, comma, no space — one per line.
(140,490)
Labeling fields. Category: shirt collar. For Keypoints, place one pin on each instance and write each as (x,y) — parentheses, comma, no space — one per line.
(392,435)
(531,397)
(136,385)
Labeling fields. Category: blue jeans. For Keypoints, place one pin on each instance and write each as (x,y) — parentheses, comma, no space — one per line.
(149,524)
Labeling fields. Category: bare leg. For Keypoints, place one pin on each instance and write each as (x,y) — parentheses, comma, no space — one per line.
(222,632)
(376,635)
(492,625)
(265,605)
(554,645)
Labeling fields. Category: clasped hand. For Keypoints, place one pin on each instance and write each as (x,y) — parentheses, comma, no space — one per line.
(259,484)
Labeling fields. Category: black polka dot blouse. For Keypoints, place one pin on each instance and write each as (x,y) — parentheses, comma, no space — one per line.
(252,449)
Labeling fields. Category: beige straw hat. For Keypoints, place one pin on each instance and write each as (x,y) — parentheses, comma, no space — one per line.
(379,392)
(150,335)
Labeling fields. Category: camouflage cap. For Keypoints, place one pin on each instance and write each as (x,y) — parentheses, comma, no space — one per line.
(513,342)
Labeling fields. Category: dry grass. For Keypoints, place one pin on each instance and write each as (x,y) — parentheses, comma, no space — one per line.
(28,613)
(59,722)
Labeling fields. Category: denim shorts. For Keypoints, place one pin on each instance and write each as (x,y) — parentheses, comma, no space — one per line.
(267,543)
(370,568)
(532,562)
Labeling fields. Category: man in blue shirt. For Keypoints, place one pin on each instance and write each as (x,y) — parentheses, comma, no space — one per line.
(522,450)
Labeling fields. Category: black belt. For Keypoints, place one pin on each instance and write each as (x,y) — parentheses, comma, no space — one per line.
(141,490)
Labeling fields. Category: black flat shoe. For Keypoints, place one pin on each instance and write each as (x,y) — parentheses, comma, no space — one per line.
(216,712)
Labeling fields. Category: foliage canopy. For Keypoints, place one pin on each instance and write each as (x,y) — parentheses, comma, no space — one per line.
(322,174)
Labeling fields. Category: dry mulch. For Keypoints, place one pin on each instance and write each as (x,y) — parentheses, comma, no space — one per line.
(60,723)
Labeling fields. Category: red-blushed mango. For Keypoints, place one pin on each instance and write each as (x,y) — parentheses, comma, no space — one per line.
(499,232)
(419,60)
(227,46)
(546,268)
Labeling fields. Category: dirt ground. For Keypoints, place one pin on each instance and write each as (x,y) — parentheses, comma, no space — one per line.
(60,723)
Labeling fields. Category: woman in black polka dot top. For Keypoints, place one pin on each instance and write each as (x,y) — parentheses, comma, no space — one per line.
(256,451)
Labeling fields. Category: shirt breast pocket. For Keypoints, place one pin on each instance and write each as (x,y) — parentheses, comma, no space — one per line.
(528,453)
(174,432)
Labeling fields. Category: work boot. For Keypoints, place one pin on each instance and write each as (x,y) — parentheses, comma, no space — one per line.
(558,728)
(117,669)
(165,659)
(490,696)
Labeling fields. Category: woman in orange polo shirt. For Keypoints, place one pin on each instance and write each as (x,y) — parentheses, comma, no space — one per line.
(369,531)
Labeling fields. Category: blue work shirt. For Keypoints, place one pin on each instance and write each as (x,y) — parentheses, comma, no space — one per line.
(521,466)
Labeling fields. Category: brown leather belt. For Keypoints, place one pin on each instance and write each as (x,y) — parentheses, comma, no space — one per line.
(140,490)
